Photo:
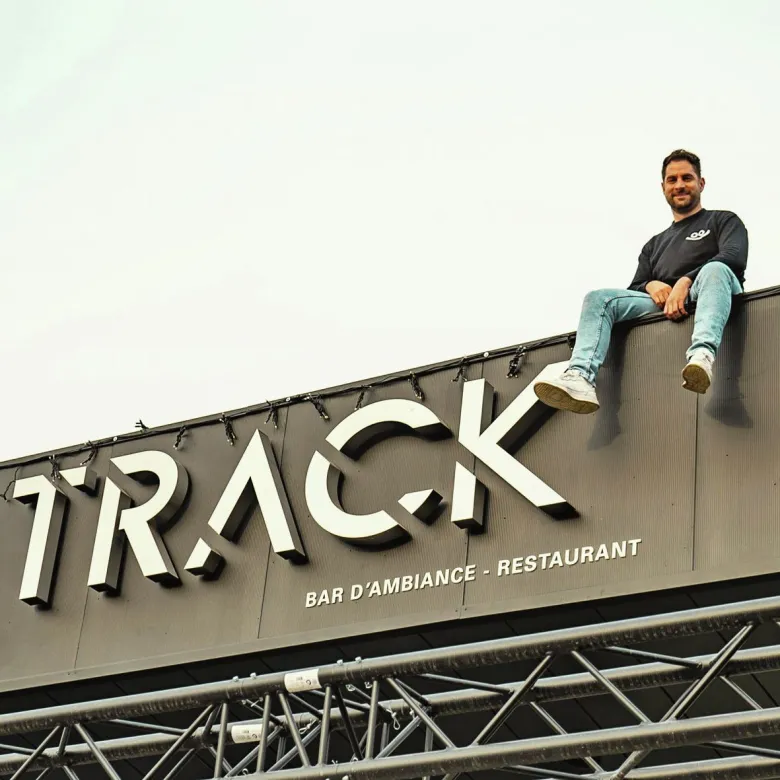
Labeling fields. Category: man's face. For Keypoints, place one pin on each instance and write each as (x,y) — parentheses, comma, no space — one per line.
(682,187)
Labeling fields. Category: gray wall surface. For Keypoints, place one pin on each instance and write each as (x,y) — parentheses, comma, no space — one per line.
(695,478)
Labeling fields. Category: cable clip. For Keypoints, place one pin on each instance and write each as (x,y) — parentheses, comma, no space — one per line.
(10,484)
(415,383)
(230,434)
(273,415)
(461,375)
(316,402)
(55,468)
(179,436)
(516,363)
(361,397)
(93,451)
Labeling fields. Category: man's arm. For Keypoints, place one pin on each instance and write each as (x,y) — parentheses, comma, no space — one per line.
(643,279)
(643,273)
(732,247)
(674,306)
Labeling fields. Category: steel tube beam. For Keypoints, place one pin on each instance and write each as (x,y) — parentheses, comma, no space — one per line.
(253,755)
(715,769)
(180,764)
(16,749)
(64,737)
(95,750)
(351,703)
(154,728)
(372,719)
(353,740)
(263,746)
(244,762)
(452,702)
(304,705)
(578,685)
(509,706)
(542,774)
(421,714)
(290,754)
(225,763)
(180,740)
(514,701)
(292,729)
(223,729)
(647,656)
(36,753)
(461,682)
(684,662)
(416,695)
(322,752)
(747,698)
(495,651)
(696,689)
(745,750)
(758,769)
(719,663)
(113,749)
(625,702)
(477,758)
(558,729)
(400,737)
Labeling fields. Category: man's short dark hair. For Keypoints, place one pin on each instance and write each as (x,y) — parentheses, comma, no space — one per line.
(682,154)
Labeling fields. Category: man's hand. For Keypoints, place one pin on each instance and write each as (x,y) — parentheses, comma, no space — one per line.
(674,308)
(658,291)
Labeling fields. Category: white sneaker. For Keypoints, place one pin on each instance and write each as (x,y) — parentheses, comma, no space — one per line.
(570,391)
(697,374)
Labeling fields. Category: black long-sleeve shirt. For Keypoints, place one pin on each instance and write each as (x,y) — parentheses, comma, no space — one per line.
(685,246)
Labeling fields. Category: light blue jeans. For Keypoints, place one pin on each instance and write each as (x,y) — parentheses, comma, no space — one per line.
(712,290)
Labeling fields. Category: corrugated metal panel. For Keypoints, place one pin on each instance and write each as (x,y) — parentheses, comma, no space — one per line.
(630,470)
(34,642)
(738,474)
(617,467)
(376,481)
(145,618)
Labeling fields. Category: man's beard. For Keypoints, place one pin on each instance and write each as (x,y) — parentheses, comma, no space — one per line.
(684,208)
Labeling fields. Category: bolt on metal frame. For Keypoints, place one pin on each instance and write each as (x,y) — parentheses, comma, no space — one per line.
(396,716)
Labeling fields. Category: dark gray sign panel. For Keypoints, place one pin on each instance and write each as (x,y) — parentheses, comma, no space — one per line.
(404,512)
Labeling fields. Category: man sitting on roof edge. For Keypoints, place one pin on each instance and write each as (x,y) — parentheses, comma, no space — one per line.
(700,257)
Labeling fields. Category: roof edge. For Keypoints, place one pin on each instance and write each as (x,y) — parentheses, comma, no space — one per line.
(337,390)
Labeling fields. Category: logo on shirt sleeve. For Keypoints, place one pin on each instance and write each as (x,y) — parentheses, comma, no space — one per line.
(697,235)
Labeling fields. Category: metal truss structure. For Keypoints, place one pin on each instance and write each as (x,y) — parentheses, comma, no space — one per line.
(442,713)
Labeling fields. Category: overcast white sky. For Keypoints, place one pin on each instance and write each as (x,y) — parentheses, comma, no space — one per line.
(204,205)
